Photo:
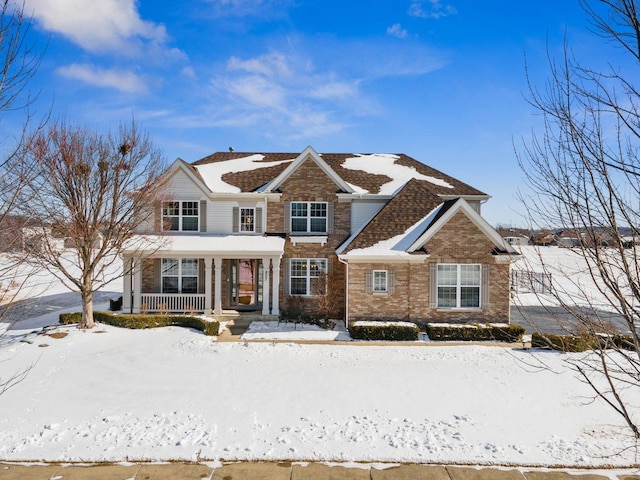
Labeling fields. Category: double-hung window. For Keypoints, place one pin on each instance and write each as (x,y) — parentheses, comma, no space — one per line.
(308,276)
(380,281)
(309,217)
(179,275)
(247,219)
(459,285)
(180,216)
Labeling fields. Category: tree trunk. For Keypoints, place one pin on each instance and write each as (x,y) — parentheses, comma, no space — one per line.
(87,310)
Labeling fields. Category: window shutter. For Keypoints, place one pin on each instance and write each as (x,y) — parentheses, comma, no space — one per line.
(157,275)
(287,217)
(258,220)
(236,220)
(330,217)
(391,281)
(203,215)
(433,285)
(368,281)
(201,275)
(485,286)
(285,276)
(157,224)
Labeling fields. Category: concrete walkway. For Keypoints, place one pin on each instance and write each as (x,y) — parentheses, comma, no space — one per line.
(288,471)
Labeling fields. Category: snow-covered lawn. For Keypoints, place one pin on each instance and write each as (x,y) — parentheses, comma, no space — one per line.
(173,393)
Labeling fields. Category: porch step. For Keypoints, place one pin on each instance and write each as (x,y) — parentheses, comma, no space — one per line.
(234,315)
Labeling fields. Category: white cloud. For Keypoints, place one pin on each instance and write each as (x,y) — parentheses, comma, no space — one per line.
(396,30)
(272,65)
(122,80)
(431,9)
(99,25)
(335,90)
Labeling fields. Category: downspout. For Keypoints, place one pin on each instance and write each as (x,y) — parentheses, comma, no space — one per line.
(409,293)
(346,293)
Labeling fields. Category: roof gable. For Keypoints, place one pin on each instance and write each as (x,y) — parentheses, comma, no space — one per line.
(410,205)
(308,154)
(180,165)
(446,212)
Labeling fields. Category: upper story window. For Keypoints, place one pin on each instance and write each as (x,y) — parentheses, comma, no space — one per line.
(247,219)
(459,286)
(180,216)
(309,217)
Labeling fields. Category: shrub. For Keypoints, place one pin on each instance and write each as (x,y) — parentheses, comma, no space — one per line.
(388,331)
(582,342)
(563,343)
(146,321)
(501,332)
(115,305)
(69,318)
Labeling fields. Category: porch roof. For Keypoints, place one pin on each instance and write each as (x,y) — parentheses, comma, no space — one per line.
(228,246)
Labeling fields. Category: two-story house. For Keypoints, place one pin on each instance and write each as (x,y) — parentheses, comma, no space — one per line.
(385,236)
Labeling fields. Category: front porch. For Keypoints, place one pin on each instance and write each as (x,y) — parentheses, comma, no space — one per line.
(205,274)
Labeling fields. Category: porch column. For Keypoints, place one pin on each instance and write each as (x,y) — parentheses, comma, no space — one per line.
(137,285)
(275,301)
(207,285)
(266,263)
(126,287)
(217,298)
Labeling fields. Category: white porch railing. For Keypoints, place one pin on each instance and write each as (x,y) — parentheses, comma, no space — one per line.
(172,302)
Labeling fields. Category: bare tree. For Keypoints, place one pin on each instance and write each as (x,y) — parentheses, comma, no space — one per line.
(18,64)
(93,189)
(584,170)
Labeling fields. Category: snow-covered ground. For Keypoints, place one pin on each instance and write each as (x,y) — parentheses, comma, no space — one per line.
(173,393)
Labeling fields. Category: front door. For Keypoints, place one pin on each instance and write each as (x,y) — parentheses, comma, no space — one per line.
(244,285)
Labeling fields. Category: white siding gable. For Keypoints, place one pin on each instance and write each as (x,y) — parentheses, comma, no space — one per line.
(364,210)
(181,187)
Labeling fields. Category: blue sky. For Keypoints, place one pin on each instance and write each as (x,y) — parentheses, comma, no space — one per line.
(440,80)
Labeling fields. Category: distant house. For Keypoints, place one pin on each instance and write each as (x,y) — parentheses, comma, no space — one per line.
(513,237)
(543,238)
(387,237)
(569,238)
(24,234)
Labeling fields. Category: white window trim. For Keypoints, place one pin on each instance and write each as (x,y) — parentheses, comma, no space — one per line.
(252,224)
(180,216)
(308,277)
(179,275)
(308,218)
(386,281)
(459,286)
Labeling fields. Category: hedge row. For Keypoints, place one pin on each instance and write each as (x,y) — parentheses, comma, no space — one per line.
(475,332)
(388,331)
(146,321)
(581,343)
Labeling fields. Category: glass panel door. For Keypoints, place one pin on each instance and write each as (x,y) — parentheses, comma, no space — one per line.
(244,284)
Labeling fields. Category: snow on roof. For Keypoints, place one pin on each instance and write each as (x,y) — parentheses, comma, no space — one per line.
(206,244)
(385,164)
(399,244)
(212,172)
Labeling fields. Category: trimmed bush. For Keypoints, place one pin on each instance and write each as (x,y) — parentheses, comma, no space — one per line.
(146,321)
(69,318)
(387,331)
(563,343)
(581,343)
(501,332)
